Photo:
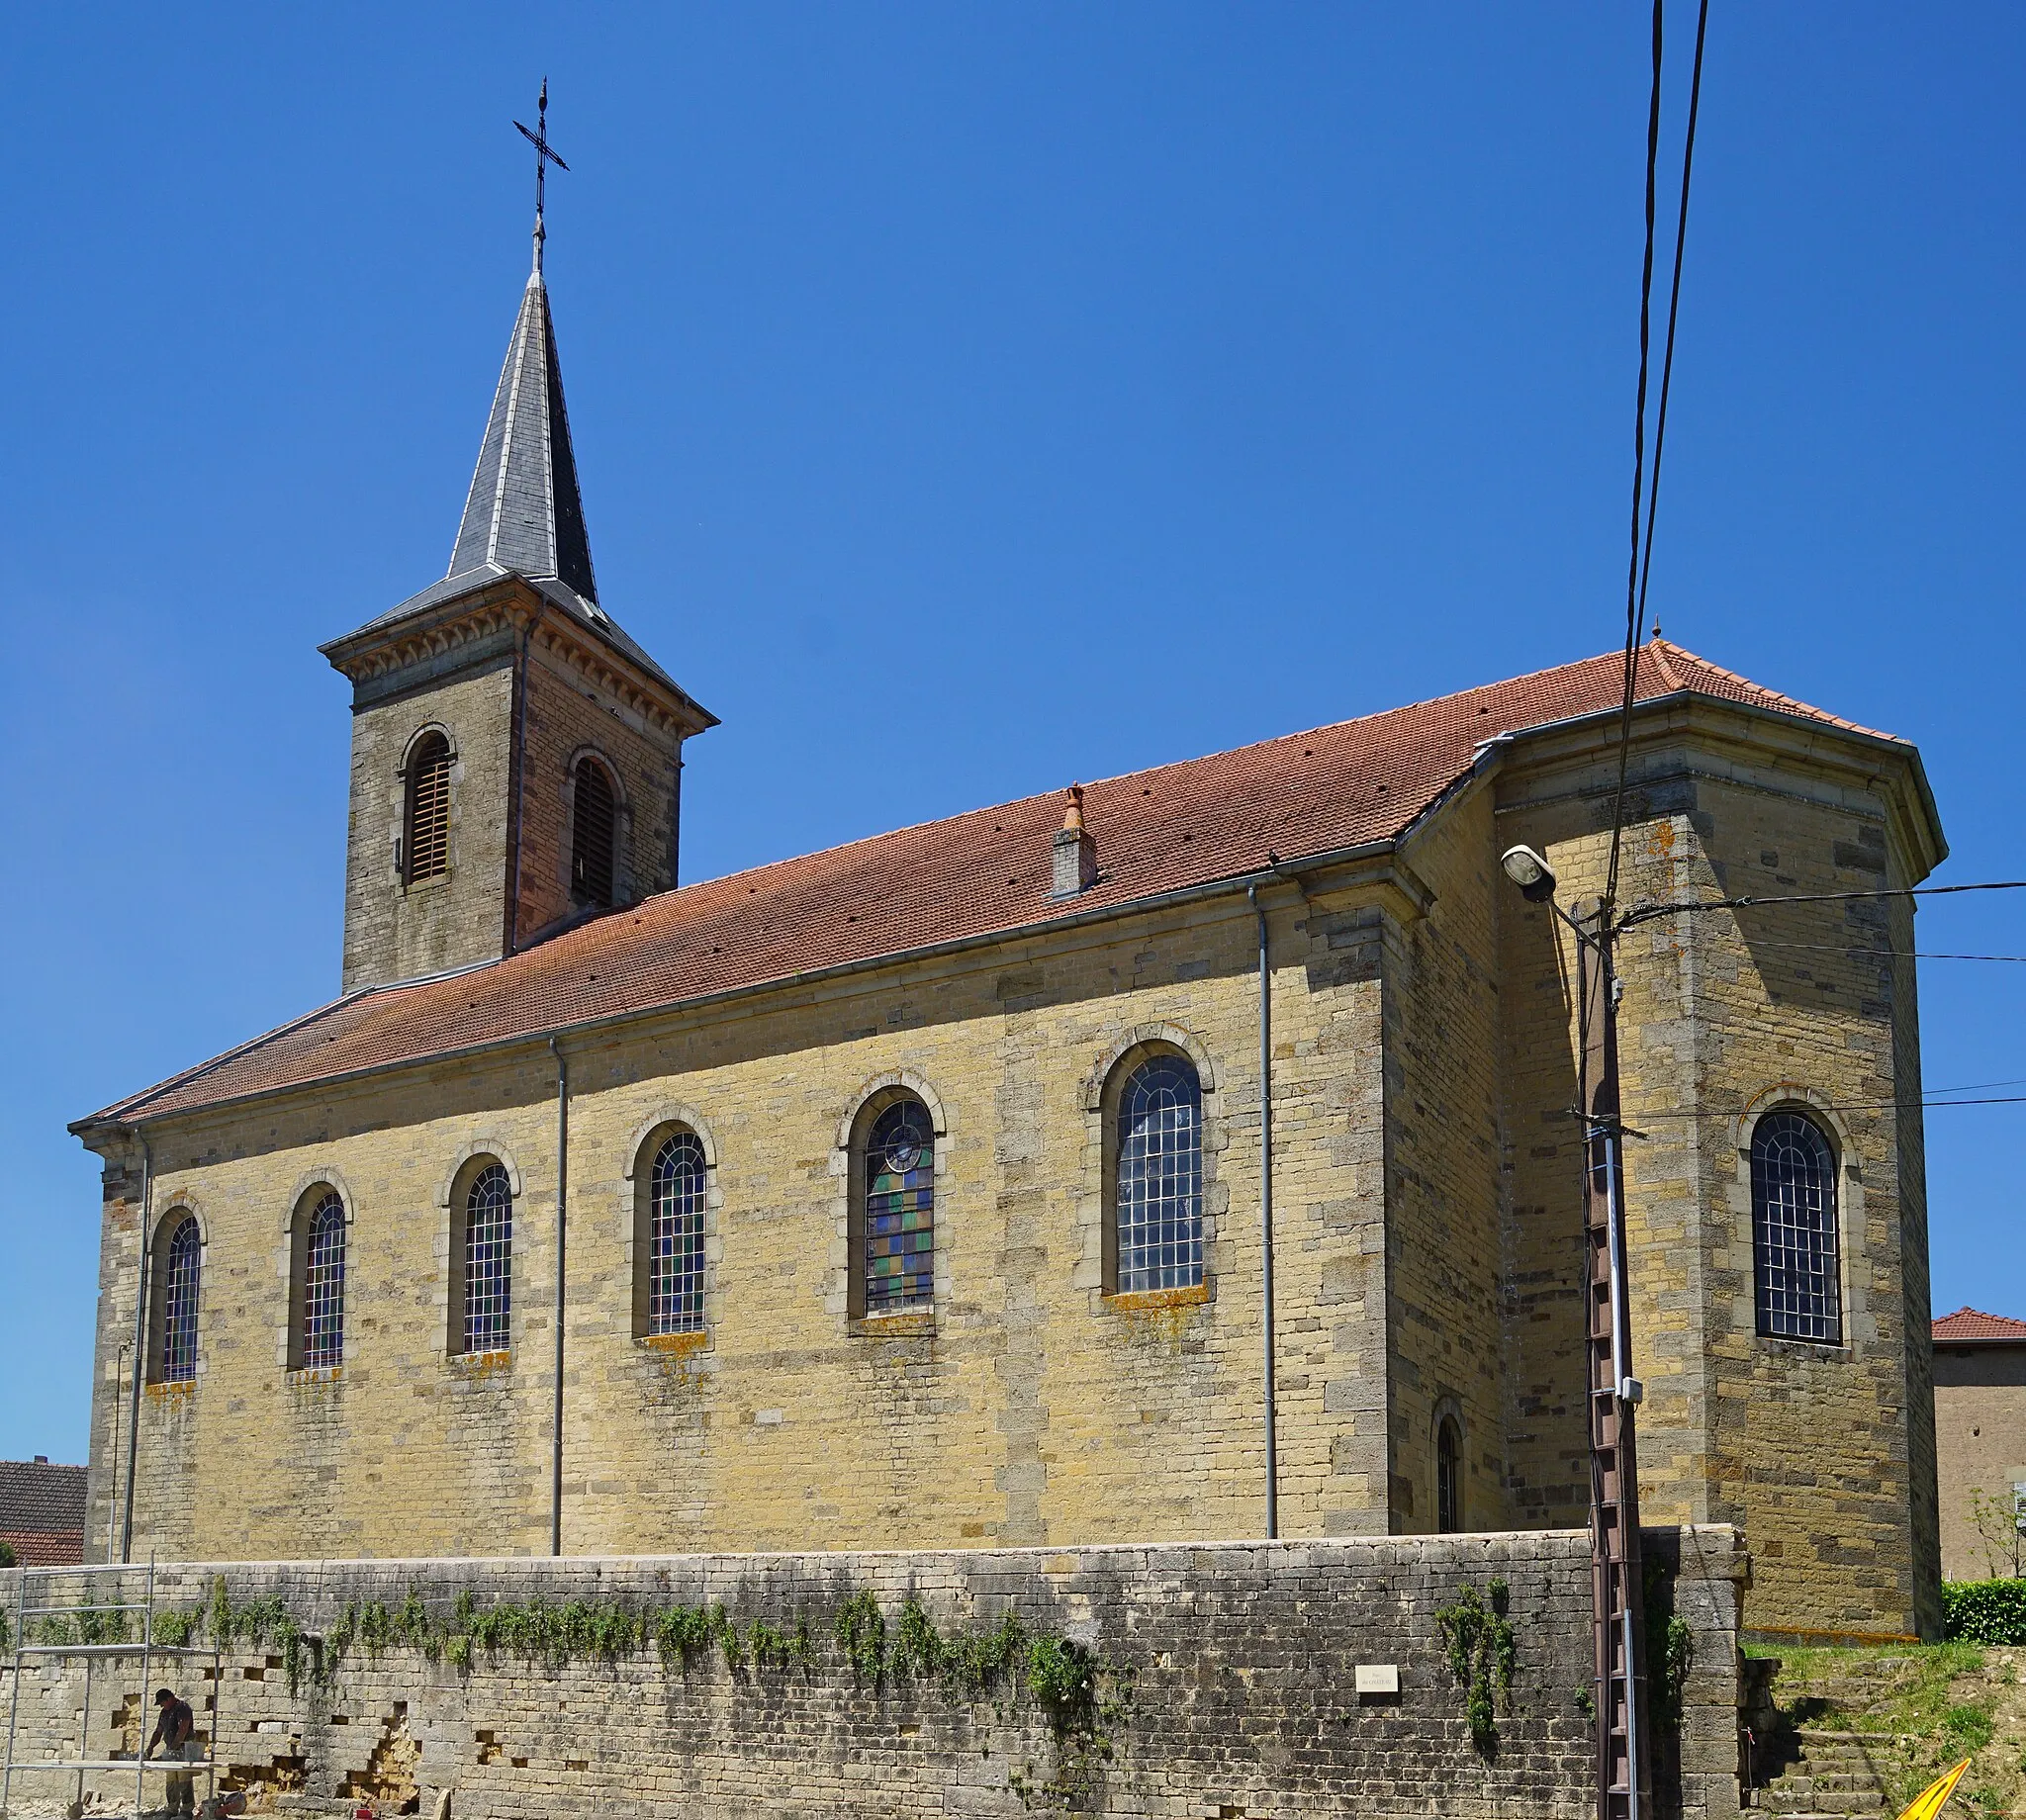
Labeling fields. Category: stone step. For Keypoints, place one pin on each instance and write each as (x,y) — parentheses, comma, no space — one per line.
(1812,1778)
(1783,1800)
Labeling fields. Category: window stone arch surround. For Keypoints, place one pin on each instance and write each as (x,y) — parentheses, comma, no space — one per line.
(403,783)
(624,887)
(844,1287)
(181,1205)
(1852,1228)
(1449,1409)
(1101,1091)
(471,1157)
(289,1257)
(634,1180)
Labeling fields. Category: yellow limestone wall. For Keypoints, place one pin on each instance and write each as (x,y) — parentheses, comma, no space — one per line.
(1428,1222)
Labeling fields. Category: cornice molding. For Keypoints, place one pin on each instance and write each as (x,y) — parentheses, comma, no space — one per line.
(510,605)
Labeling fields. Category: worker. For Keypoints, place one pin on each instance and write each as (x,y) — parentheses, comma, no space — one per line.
(174,1730)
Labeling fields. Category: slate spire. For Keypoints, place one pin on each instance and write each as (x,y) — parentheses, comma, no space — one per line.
(524,512)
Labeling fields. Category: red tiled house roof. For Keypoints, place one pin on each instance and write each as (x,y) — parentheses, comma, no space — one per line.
(1360,782)
(42,1513)
(1974,1325)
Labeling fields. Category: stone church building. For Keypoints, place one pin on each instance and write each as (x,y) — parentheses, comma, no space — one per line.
(915,1193)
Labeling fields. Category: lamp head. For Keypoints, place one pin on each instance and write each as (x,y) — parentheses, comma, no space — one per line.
(1531,872)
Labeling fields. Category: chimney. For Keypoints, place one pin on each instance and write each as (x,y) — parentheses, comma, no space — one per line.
(42,1459)
(1076,851)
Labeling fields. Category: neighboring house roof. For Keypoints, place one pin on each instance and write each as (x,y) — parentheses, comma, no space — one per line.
(1358,783)
(41,1512)
(1974,1328)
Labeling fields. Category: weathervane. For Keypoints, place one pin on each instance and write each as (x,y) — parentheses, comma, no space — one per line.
(544,156)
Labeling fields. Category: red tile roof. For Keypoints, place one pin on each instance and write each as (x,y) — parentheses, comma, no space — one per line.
(1972,1324)
(44,1547)
(42,1513)
(982,873)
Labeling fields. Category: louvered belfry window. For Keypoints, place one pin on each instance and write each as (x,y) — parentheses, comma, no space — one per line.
(591,834)
(428,809)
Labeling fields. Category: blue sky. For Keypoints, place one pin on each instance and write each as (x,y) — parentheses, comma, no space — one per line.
(967,398)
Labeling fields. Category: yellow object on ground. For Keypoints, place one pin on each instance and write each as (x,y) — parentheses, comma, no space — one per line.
(1928,1803)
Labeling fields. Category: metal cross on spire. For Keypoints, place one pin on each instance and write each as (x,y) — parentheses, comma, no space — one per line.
(544,156)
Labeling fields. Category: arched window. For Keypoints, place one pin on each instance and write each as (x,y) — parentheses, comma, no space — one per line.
(321,1342)
(182,1256)
(593,831)
(487,1261)
(428,809)
(899,1233)
(1448,1478)
(1793,1229)
(1158,1205)
(675,1193)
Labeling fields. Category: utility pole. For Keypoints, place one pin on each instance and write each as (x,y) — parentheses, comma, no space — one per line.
(1624,1775)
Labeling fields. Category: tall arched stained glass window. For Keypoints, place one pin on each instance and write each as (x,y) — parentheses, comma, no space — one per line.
(675,1247)
(324,1284)
(900,1209)
(1160,1177)
(1793,1229)
(487,1261)
(182,1258)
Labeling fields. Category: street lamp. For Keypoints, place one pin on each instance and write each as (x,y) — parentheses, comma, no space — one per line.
(1531,872)
(1612,1392)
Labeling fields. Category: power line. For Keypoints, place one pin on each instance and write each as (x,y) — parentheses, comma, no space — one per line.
(1646,913)
(1610,886)
(1657,1117)
(1858,952)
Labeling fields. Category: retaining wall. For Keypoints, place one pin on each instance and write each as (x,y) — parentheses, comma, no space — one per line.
(1234,1676)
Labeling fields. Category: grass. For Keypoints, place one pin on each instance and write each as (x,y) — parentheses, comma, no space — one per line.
(1936,1702)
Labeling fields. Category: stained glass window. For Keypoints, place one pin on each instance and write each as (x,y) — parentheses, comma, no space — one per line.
(181,1259)
(487,1261)
(1793,1229)
(324,1286)
(1160,1177)
(900,1209)
(675,1248)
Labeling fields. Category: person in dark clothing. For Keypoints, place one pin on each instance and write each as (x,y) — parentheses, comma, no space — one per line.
(174,1729)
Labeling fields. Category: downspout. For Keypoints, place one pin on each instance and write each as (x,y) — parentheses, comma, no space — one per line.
(139,1349)
(562,1279)
(1267,1208)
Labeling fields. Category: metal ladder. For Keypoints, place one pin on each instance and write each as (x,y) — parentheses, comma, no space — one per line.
(115,1605)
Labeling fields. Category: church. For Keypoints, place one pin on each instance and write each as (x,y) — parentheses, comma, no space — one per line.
(1187,1156)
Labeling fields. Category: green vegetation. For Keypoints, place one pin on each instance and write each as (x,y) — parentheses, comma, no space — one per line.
(1483,1653)
(1926,1705)
(1985,1610)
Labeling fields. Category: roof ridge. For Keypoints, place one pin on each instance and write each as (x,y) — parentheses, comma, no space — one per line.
(1143,770)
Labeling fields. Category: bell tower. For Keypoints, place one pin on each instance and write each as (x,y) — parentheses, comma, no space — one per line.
(516,758)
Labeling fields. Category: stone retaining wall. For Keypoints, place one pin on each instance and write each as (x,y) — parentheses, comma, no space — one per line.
(1236,1677)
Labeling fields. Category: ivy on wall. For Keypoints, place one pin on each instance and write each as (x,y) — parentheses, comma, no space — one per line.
(1081,1695)
(1483,1653)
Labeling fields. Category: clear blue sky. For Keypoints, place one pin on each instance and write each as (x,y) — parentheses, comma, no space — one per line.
(967,398)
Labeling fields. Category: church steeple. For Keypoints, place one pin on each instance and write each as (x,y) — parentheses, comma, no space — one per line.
(516,758)
(524,512)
